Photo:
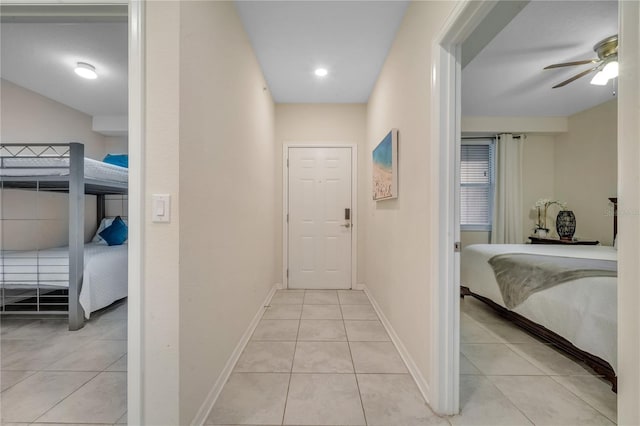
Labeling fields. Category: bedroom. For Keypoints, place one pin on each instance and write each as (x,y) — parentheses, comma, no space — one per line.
(62,324)
(567,153)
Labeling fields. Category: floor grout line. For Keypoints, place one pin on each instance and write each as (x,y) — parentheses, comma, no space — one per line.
(293,360)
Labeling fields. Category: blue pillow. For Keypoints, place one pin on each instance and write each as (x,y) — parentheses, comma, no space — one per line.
(116,233)
(121,160)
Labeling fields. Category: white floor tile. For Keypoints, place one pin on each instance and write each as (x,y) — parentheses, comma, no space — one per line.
(358,312)
(42,353)
(322,357)
(472,332)
(323,399)
(94,356)
(288,298)
(546,402)
(466,367)
(119,365)
(366,331)
(329,312)
(10,378)
(593,390)
(101,400)
(353,297)
(498,359)
(376,357)
(321,297)
(278,330)
(322,330)
(482,403)
(266,357)
(32,397)
(251,398)
(283,312)
(394,399)
(549,360)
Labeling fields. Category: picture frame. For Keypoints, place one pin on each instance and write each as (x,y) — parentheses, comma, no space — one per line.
(385,167)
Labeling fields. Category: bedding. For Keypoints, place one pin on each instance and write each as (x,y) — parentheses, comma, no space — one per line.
(520,275)
(49,166)
(104,280)
(583,311)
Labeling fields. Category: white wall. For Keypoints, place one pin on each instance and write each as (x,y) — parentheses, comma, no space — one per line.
(227,186)
(210,144)
(161,286)
(323,123)
(398,233)
(586,170)
(28,117)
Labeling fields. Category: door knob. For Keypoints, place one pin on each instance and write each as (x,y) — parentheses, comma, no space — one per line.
(346,225)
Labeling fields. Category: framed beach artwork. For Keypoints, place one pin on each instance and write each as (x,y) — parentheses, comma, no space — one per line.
(385,167)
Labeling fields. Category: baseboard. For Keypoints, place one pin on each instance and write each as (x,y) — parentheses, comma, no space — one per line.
(214,393)
(279,286)
(422,384)
(359,286)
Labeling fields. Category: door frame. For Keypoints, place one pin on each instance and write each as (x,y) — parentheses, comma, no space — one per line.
(285,204)
(446,76)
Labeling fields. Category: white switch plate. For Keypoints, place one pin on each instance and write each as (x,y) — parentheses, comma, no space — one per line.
(161,208)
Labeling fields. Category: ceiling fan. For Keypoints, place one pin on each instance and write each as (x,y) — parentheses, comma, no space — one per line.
(606,63)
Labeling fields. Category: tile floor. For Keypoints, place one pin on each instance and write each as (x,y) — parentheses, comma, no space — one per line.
(321,358)
(50,375)
(510,378)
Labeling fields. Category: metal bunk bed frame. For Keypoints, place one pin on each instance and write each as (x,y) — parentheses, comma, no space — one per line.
(76,185)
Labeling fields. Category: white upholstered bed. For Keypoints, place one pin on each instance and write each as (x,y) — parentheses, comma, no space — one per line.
(582,311)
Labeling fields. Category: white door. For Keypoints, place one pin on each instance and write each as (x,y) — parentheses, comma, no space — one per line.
(319,221)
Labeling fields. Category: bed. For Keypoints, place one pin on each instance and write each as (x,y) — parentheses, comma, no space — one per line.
(75,280)
(578,316)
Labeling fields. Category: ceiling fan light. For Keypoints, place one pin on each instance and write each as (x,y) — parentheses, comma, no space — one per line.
(600,79)
(611,69)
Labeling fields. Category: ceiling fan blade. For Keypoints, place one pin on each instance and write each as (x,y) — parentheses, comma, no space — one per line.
(570,64)
(575,77)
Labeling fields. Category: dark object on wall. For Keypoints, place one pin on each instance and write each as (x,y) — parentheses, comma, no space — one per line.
(566,224)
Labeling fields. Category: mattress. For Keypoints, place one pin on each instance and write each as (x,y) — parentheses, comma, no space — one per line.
(583,311)
(48,166)
(104,277)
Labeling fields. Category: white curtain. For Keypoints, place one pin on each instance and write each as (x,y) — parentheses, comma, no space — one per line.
(507,201)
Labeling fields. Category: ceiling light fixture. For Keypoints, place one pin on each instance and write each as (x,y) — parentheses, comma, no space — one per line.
(85,70)
(321,72)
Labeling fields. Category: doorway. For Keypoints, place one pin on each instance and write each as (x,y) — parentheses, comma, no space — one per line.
(319,208)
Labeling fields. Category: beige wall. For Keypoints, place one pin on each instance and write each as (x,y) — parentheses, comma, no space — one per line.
(322,123)
(210,128)
(28,117)
(116,144)
(227,259)
(161,286)
(586,170)
(398,232)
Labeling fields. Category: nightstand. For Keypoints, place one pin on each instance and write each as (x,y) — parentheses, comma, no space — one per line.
(537,240)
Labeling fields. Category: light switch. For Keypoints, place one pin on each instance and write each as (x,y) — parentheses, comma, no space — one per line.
(161,208)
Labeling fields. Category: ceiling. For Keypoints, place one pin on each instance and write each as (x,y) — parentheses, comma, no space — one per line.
(41,56)
(507,78)
(350,39)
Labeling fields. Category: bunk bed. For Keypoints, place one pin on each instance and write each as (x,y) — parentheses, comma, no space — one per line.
(62,280)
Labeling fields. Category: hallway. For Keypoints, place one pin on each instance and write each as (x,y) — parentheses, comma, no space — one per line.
(321,357)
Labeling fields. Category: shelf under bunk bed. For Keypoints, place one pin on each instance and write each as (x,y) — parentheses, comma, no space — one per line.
(41,282)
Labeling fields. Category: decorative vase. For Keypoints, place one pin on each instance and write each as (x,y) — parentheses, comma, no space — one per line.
(566,224)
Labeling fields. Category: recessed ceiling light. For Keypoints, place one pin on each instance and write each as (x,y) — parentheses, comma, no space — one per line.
(85,70)
(321,72)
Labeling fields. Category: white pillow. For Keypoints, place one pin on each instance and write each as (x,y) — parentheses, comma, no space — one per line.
(105,223)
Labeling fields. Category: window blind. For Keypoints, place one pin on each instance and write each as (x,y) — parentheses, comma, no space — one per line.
(476,184)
